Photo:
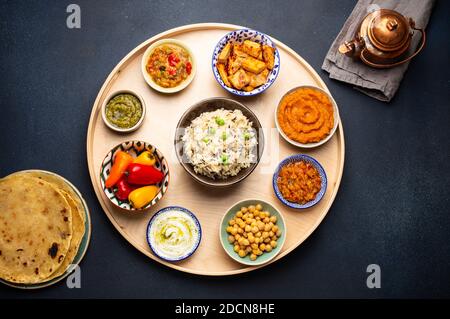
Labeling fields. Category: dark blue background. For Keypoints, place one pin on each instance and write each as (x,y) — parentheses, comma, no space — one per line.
(393,205)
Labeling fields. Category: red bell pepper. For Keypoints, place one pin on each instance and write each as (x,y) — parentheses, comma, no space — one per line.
(173,59)
(188,68)
(138,174)
(123,189)
(172,71)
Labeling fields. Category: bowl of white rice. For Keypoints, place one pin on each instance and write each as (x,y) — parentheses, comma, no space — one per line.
(219,141)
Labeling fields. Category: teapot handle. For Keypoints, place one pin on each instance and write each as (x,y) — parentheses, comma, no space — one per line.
(384,66)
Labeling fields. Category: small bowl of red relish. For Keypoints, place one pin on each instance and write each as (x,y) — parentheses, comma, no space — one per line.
(168,65)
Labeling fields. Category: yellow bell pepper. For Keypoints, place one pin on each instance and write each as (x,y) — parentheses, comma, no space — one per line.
(142,196)
(145,158)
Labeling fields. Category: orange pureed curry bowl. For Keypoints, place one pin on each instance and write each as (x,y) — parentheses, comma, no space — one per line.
(308,117)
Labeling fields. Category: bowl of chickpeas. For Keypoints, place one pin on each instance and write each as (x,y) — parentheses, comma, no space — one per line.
(252,232)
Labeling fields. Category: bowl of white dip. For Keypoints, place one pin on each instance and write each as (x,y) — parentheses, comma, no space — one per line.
(174,233)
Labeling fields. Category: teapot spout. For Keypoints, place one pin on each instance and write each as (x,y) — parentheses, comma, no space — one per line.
(348,48)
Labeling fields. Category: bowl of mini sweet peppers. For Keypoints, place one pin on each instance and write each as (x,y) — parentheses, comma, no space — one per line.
(134,175)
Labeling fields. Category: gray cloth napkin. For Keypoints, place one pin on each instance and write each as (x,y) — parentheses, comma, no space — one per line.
(378,83)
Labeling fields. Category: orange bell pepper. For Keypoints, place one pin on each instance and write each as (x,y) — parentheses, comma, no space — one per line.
(119,167)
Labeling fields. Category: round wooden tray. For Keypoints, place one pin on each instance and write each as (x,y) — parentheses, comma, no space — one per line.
(209,205)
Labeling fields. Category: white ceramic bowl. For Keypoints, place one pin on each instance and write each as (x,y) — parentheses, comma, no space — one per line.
(315,144)
(149,79)
(118,129)
(187,254)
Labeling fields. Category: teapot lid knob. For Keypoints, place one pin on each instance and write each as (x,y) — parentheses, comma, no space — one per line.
(392,24)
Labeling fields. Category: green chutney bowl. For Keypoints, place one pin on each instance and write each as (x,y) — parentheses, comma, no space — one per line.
(229,248)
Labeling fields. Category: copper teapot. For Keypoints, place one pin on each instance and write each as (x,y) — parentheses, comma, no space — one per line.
(383,39)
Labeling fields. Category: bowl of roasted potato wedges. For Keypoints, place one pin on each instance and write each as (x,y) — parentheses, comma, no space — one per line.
(245,62)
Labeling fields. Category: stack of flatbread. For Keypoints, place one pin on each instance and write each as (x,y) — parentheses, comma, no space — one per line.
(41,227)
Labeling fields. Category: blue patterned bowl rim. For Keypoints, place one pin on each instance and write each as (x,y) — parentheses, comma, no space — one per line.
(259,89)
(186,211)
(297,158)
